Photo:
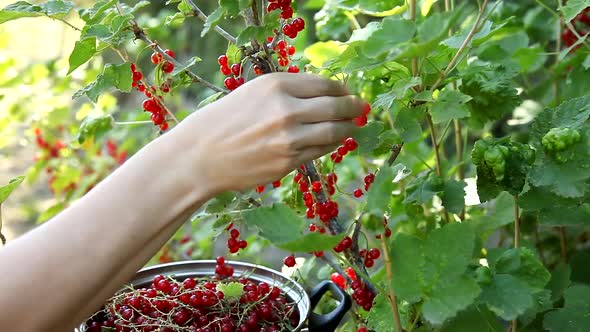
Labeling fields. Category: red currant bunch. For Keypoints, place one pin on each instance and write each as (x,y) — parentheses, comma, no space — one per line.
(234,244)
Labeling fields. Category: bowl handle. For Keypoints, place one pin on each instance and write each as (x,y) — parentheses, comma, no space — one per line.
(328,322)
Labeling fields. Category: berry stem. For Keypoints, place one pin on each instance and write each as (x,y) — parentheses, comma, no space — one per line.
(391,291)
(201,15)
(129,123)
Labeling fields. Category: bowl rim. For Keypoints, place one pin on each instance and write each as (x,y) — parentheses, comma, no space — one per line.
(145,274)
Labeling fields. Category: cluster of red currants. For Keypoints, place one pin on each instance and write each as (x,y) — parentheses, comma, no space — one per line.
(283,5)
(369,256)
(581,24)
(223,270)
(234,73)
(234,244)
(360,293)
(369,179)
(386,230)
(167,66)
(197,305)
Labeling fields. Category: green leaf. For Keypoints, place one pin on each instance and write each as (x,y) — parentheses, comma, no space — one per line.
(234,54)
(501,215)
(575,315)
(7,189)
(83,51)
(555,210)
(507,297)
(213,20)
(451,104)
(379,195)
(97,12)
(320,52)
(191,62)
(251,33)
(231,290)
(478,319)
(453,196)
(211,99)
(523,264)
(422,189)
(391,31)
(367,137)
(399,90)
(285,229)
(380,317)
(573,8)
(560,280)
(434,270)
(118,76)
(233,8)
(55,9)
(51,212)
(407,124)
(221,203)
(94,127)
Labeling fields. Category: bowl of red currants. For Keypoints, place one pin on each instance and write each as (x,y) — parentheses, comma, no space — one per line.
(216,296)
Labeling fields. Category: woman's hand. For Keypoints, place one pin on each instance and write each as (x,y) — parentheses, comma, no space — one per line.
(267,128)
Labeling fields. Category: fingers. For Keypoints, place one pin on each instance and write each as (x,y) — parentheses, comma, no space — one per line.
(314,152)
(329,108)
(323,133)
(306,86)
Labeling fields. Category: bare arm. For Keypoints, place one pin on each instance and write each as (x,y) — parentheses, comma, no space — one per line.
(58,274)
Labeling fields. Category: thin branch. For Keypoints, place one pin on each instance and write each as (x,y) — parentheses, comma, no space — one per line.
(395,151)
(412,5)
(463,47)
(435,144)
(201,15)
(140,34)
(391,296)
(514,323)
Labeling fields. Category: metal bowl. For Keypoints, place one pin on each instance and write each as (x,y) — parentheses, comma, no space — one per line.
(308,321)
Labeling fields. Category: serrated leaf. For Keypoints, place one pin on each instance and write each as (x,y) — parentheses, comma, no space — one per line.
(367,137)
(478,319)
(575,315)
(523,264)
(286,229)
(231,290)
(380,317)
(435,271)
(117,76)
(451,104)
(453,196)
(234,54)
(391,31)
(83,51)
(573,8)
(213,20)
(379,195)
(541,302)
(406,124)
(422,189)
(221,203)
(94,127)
(400,88)
(507,297)
(54,9)
(96,13)
(233,7)
(7,189)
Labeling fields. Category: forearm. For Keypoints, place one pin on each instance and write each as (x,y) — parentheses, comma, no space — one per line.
(99,242)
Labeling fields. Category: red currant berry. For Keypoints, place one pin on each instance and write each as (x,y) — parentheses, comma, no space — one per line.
(289,261)
(168,67)
(258,70)
(293,69)
(350,144)
(288,30)
(230,83)
(350,273)
(157,118)
(220,260)
(342,150)
(242,244)
(361,121)
(281,45)
(225,70)
(369,262)
(222,60)
(236,69)
(338,279)
(291,50)
(370,178)
(133,67)
(260,189)
(170,53)
(234,233)
(358,193)
(362,329)
(298,24)
(240,81)
(366,109)
(272,6)
(276,184)
(287,13)
(346,242)
(283,62)
(387,232)
(164,126)
(156,58)
(316,186)
(137,76)
(374,253)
